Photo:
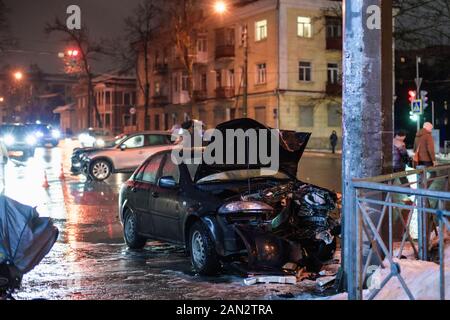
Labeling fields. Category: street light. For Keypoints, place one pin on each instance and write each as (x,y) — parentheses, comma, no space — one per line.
(2,99)
(220,7)
(18,75)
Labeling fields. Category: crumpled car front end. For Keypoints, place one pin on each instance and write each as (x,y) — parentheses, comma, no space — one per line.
(291,222)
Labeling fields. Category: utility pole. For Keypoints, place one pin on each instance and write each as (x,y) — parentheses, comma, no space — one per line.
(245,94)
(418,85)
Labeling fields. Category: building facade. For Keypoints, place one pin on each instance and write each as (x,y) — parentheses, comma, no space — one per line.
(294,53)
(115,97)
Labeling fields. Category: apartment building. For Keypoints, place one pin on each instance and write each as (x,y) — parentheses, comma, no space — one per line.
(294,66)
(116,102)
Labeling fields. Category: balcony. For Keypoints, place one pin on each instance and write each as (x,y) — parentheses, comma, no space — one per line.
(225,51)
(200,95)
(160,68)
(160,99)
(334,89)
(334,43)
(224,92)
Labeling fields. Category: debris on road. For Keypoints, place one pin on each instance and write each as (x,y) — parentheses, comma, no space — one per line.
(270,279)
(325,281)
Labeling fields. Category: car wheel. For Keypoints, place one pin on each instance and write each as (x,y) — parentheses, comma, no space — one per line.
(204,257)
(100,170)
(130,233)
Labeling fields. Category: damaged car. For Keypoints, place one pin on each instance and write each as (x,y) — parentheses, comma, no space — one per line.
(232,212)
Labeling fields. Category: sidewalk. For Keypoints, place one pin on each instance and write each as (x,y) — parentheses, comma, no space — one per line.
(323,153)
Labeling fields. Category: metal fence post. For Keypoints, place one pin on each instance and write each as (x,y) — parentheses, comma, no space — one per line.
(350,245)
(421,216)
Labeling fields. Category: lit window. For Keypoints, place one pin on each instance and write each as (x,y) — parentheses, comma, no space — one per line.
(261,30)
(157,89)
(304,28)
(202,45)
(261,73)
(304,71)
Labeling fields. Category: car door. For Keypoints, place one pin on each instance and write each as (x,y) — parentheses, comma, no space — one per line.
(166,212)
(143,187)
(131,153)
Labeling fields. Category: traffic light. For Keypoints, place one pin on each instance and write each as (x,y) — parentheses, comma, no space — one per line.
(412,94)
(423,96)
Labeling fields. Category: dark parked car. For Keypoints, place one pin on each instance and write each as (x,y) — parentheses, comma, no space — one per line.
(45,134)
(19,140)
(230,212)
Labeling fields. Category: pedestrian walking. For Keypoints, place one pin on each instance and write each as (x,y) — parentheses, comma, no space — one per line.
(424,153)
(3,161)
(400,157)
(333,141)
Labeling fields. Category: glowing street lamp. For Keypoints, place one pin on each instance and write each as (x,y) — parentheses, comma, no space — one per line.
(220,7)
(18,75)
(2,99)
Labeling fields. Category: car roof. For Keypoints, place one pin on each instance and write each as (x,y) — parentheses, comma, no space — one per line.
(150,132)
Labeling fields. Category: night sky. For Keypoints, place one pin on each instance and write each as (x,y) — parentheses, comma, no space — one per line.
(104,19)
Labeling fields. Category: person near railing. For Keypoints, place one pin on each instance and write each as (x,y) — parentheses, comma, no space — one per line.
(400,157)
(424,153)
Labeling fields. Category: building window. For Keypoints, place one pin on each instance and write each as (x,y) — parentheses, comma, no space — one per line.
(175,83)
(231,78)
(304,28)
(334,27)
(306,118)
(108,97)
(157,89)
(304,71)
(127,99)
(107,120)
(333,73)
(156,121)
(218,78)
(202,45)
(261,30)
(203,82)
(334,115)
(184,82)
(261,73)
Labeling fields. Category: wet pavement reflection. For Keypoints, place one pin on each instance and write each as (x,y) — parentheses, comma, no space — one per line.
(90,260)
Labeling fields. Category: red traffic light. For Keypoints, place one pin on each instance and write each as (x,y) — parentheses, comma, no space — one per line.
(412,95)
(72,53)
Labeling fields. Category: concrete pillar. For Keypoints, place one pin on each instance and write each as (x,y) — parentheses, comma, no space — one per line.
(367,109)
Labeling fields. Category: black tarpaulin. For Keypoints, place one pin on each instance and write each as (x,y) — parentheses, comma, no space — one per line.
(25,238)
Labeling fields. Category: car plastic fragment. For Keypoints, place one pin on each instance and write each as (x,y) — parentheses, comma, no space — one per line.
(270,279)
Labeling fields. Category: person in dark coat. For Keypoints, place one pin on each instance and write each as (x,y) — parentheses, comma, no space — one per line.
(333,141)
(400,157)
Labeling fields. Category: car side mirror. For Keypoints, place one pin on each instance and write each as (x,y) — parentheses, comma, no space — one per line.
(123,147)
(167,183)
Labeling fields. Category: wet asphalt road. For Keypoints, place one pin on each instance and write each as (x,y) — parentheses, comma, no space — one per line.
(90,260)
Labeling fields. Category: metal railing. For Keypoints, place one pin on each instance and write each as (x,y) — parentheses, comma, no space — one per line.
(377,201)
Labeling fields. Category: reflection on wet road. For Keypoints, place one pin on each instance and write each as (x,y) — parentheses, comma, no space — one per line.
(90,261)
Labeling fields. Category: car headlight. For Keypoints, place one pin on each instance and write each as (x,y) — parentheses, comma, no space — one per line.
(245,206)
(56,134)
(31,140)
(39,134)
(9,140)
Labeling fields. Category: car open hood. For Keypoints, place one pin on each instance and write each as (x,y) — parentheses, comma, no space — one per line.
(291,147)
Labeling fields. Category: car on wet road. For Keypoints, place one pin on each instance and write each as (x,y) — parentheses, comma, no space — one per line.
(45,134)
(19,140)
(232,212)
(124,154)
